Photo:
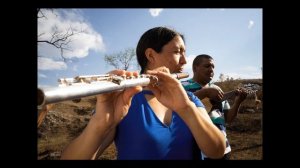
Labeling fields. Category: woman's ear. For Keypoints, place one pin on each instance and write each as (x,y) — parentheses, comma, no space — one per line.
(150,54)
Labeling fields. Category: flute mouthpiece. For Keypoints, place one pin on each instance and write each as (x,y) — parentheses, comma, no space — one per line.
(182,75)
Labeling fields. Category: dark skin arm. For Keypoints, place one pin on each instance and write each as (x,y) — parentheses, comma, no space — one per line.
(210,92)
(216,94)
(232,113)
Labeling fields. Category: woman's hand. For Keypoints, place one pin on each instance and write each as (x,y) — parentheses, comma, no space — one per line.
(168,90)
(111,108)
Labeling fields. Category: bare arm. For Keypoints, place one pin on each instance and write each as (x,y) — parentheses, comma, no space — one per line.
(171,94)
(208,137)
(111,108)
(108,140)
(210,92)
(84,146)
(232,112)
(201,94)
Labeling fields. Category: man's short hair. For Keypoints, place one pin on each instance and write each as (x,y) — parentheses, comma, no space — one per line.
(199,58)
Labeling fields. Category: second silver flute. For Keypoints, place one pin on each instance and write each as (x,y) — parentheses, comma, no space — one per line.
(83,86)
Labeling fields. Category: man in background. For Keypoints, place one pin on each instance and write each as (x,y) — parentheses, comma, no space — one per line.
(220,111)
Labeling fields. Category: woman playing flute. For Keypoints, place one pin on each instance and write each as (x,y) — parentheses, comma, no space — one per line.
(159,122)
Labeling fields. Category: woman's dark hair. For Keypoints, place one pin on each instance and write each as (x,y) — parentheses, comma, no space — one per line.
(154,38)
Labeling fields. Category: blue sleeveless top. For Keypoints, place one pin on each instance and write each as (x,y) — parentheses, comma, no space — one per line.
(142,136)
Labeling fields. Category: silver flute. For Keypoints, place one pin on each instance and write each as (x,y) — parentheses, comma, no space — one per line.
(90,85)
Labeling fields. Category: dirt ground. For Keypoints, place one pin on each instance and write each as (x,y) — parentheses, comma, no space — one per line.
(66,120)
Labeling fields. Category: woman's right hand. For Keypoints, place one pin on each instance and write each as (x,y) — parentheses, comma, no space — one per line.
(168,90)
(112,107)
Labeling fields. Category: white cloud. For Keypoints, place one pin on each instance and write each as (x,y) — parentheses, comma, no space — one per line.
(60,21)
(42,75)
(155,12)
(249,68)
(75,68)
(50,64)
(246,72)
(244,75)
(250,24)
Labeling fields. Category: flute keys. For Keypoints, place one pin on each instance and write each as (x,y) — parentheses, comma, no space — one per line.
(154,80)
(117,79)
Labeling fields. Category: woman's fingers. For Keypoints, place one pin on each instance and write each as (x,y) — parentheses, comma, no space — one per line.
(117,72)
(130,92)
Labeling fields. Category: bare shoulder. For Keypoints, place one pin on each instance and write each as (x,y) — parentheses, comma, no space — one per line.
(215,86)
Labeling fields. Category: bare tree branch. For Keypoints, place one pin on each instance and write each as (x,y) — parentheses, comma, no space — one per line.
(59,39)
(39,12)
(122,59)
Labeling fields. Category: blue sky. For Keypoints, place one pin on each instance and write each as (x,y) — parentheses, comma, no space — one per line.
(233,37)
